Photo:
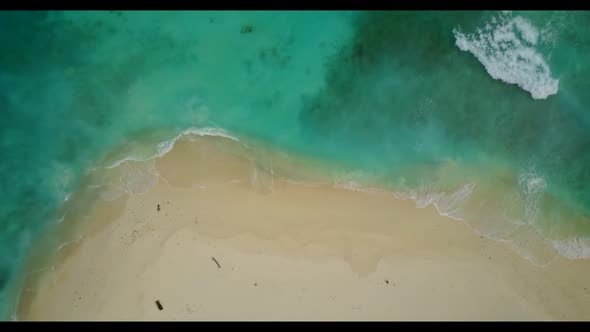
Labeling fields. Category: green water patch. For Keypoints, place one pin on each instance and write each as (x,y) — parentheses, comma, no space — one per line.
(403,93)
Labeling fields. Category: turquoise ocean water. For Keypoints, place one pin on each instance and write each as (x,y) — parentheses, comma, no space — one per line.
(498,99)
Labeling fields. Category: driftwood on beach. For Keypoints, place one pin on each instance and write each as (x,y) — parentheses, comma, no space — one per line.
(216,262)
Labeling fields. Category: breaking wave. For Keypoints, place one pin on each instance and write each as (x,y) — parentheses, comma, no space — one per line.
(506,48)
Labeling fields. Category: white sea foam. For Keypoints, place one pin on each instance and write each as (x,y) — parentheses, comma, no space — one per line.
(165,146)
(506,48)
(531,186)
(353,181)
(126,159)
(139,179)
(527,31)
(349,185)
(450,205)
(446,204)
(66,243)
(573,248)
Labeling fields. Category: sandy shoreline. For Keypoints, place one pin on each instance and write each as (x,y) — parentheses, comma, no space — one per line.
(230,244)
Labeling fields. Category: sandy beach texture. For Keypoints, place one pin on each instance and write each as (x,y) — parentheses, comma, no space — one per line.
(217,239)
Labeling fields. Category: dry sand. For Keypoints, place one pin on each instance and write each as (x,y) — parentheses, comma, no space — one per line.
(231,243)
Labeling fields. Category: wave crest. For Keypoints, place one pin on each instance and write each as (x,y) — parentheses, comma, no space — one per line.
(165,146)
(505,47)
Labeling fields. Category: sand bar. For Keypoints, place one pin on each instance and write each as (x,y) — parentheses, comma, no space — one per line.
(216,238)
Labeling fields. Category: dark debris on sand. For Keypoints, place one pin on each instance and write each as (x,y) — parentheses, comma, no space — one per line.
(216,262)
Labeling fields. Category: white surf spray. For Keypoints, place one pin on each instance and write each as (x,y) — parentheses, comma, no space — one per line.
(165,146)
(506,48)
(446,204)
(138,177)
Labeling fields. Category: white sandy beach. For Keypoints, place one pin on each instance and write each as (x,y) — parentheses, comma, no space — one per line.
(227,245)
